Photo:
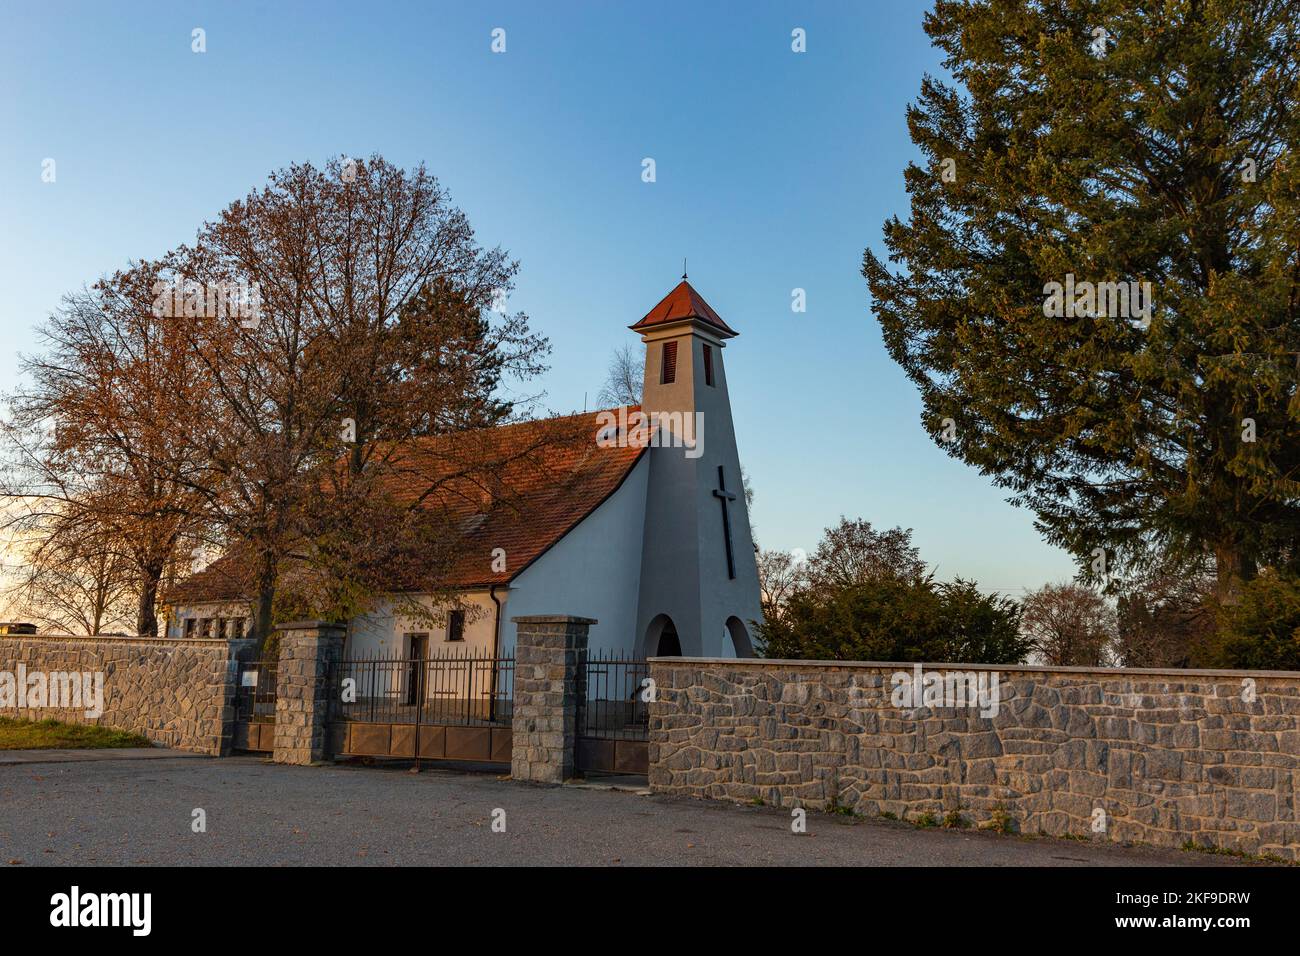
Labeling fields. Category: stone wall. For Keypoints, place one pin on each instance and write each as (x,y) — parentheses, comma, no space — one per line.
(1168,757)
(178,693)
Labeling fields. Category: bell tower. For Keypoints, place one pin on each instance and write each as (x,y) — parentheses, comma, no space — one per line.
(699,577)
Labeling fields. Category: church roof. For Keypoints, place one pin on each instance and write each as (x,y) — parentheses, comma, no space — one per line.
(541,479)
(681,304)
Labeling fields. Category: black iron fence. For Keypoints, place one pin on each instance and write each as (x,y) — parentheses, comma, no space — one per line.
(461,689)
(255,692)
(616,698)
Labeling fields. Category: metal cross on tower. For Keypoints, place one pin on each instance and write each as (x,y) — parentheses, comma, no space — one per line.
(725,497)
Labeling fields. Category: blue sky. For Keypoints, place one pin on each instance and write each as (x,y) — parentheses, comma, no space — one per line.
(774,171)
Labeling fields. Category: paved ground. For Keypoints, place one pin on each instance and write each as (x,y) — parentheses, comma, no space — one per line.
(76,755)
(132,811)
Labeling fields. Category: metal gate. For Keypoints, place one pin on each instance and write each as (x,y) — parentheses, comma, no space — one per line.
(614,719)
(446,707)
(255,706)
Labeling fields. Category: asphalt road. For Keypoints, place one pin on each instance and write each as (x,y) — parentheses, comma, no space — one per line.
(139,812)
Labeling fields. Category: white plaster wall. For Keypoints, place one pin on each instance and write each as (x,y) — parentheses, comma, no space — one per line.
(382,634)
(382,631)
(593,571)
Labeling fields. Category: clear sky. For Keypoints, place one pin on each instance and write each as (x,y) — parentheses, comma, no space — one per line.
(774,170)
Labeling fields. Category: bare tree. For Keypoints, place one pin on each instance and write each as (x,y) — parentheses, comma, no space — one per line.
(1070,625)
(853,552)
(779,576)
(1165,621)
(70,584)
(159,418)
(624,380)
(850,553)
(88,441)
(371,332)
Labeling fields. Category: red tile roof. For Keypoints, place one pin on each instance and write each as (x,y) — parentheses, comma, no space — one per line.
(683,303)
(543,478)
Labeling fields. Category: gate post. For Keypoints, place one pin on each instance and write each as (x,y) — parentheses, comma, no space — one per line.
(550,650)
(303,695)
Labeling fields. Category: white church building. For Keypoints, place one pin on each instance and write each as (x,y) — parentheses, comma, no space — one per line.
(651,538)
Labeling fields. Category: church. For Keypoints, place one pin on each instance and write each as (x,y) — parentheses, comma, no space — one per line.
(643,527)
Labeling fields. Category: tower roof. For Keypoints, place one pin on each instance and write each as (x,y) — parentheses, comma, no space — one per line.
(681,304)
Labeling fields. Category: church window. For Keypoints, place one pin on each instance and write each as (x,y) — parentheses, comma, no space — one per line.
(189,626)
(708,365)
(669,371)
(237,629)
(456,626)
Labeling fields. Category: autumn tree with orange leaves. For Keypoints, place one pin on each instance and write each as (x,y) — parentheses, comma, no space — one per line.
(270,424)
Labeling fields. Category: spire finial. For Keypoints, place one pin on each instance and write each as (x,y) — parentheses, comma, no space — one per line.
(683,267)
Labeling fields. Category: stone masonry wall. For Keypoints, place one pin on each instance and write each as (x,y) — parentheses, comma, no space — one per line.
(1169,756)
(178,693)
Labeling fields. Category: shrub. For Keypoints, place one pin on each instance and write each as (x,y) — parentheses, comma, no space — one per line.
(1262,630)
(897,620)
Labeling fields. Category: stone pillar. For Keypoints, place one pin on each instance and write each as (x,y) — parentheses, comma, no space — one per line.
(303,695)
(549,651)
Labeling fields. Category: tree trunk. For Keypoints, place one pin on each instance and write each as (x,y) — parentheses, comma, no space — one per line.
(146,617)
(1233,568)
(265,601)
